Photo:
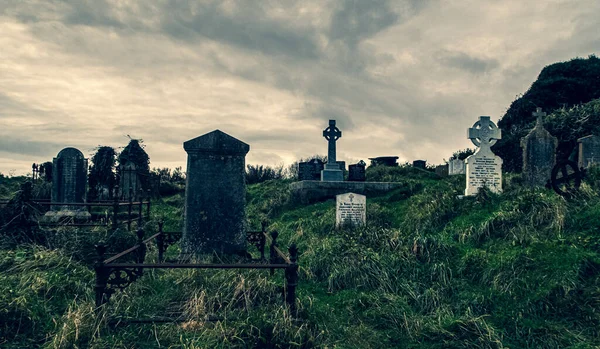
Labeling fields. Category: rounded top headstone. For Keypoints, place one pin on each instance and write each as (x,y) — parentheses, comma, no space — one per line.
(70,153)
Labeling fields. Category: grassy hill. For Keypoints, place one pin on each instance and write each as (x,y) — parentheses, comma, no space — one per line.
(517,270)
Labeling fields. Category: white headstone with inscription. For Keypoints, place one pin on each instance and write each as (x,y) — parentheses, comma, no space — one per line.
(484,168)
(351,209)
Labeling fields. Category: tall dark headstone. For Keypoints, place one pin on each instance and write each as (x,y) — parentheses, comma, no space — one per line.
(69,180)
(332,171)
(589,151)
(539,153)
(215,195)
(357,172)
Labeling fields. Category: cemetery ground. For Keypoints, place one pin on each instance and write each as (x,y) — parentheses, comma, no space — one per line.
(429,270)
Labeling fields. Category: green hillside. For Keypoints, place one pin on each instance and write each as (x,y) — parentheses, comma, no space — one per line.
(559,85)
(518,270)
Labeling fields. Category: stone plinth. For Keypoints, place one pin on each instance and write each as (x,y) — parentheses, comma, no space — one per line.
(350,210)
(313,191)
(215,195)
(332,173)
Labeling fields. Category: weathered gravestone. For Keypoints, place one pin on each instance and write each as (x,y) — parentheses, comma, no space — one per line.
(129,181)
(215,195)
(310,170)
(332,171)
(357,172)
(69,181)
(422,164)
(589,151)
(456,167)
(483,168)
(351,210)
(539,153)
(441,170)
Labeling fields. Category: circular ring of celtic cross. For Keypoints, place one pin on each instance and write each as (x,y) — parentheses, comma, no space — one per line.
(485,132)
(565,181)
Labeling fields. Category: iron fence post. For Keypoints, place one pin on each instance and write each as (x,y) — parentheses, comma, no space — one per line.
(116,208)
(160,242)
(291,278)
(130,207)
(272,252)
(101,276)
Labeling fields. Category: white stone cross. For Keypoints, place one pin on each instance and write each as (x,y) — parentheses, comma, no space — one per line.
(484,133)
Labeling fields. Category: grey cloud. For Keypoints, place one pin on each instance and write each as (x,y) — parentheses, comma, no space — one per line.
(355,20)
(462,61)
(23,146)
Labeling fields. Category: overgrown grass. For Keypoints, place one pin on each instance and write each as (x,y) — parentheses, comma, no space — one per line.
(429,270)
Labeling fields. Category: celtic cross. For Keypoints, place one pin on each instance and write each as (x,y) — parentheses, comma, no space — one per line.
(331,134)
(484,133)
(539,114)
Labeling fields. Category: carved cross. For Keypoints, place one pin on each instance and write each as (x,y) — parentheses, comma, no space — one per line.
(484,132)
(539,114)
(351,197)
(331,134)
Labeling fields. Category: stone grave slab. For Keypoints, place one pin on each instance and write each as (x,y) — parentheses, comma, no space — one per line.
(351,210)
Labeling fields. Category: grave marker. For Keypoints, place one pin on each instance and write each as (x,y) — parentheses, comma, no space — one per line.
(357,172)
(456,167)
(351,209)
(215,195)
(589,151)
(539,153)
(483,168)
(332,171)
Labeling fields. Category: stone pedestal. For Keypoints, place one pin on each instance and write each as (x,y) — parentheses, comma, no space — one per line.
(332,173)
(215,195)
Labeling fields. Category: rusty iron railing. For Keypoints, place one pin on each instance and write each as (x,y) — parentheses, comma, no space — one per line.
(112,276)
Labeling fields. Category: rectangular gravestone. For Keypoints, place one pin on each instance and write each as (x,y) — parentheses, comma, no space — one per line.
(456,167)
(589,151)
(357,172)
(442,170)
(351,210)
(422,164)
(310,170)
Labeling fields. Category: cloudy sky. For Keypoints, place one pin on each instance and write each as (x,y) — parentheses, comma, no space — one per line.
(403,77)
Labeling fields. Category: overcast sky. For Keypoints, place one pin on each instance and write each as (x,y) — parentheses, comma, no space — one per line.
(403,78)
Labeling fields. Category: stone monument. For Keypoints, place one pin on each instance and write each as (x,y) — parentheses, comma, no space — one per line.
(69,184)
(539,153)
(483,168)
(422,164)
(456,167)
(351,210)
(589,151)
(215,195)
(310,170)
(389,161)
(442,170)
(357,172)
(129,181)
(332,171)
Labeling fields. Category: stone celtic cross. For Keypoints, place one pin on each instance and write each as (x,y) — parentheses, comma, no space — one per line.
(484,133)
(331,134)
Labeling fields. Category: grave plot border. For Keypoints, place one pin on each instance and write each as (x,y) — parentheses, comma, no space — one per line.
(112,276)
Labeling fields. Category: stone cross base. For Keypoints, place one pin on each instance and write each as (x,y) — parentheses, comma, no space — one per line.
(332,175)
